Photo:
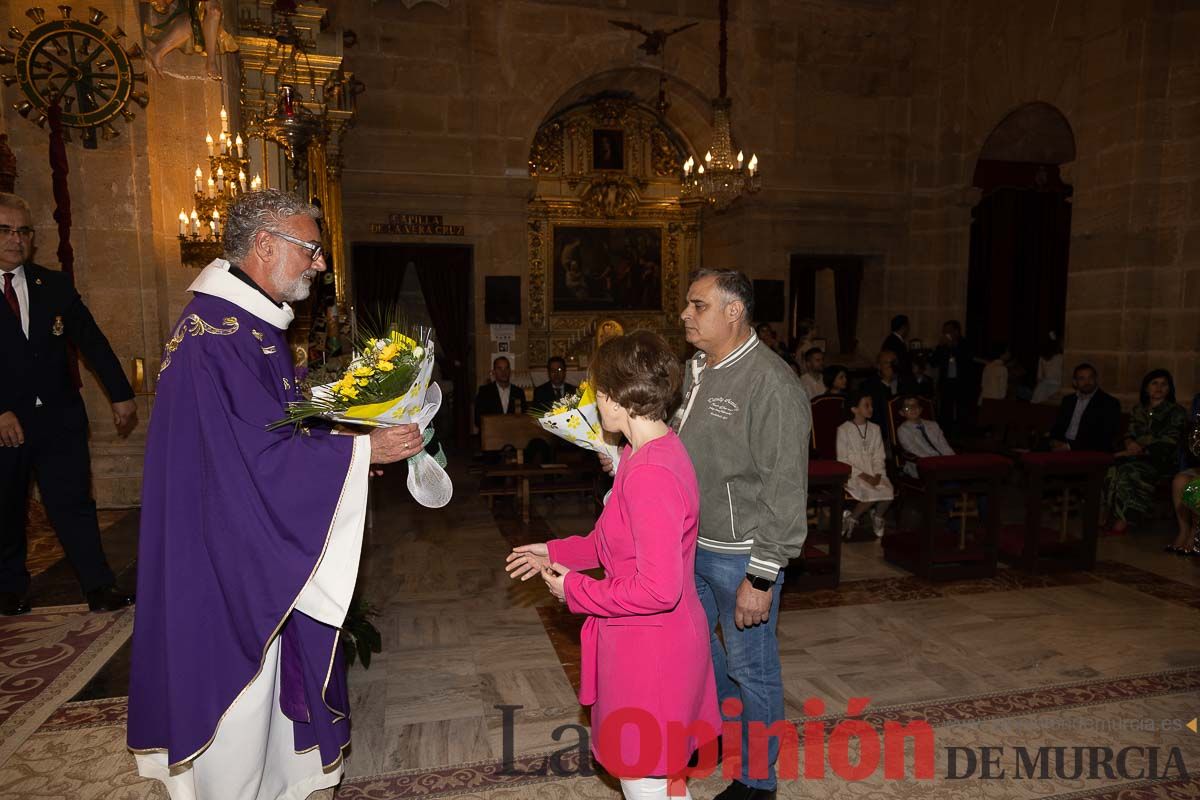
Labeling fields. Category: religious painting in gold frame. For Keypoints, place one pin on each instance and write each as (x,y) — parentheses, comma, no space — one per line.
(607,268)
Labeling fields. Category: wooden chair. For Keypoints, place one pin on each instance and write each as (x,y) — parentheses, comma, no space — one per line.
(1037,547)
(934,550)
(828,413)
(515,478)
(820,565)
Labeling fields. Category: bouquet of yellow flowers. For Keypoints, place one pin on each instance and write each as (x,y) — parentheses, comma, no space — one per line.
(387,383)
(576,419)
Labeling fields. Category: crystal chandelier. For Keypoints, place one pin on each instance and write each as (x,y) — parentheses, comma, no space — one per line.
(228,162)
(723,177)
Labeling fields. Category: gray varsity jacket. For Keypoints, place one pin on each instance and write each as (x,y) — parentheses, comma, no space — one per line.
(746,424)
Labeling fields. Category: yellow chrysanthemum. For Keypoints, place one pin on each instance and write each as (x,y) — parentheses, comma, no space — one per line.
(363,381)
(386,366)
(389,352)
(363,372)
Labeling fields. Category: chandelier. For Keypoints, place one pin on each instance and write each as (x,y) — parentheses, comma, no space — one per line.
(228,163)
(723,177)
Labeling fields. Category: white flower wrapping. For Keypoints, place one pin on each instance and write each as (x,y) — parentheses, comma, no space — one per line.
(427,480)
(581,427)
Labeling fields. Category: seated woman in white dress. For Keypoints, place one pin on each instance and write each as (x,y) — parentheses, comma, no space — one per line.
(860,445)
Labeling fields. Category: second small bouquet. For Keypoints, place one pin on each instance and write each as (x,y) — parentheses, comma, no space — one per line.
(576,419)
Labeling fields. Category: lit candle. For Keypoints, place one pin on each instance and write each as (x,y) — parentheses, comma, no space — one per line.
(687,165)
(195,223)
(256,184)
(212,187)
(220,179)
(216,224)
(708,157)
(242,179)
(753,163)
(740,159)
(224,120)
(208,140)
(237,146)
(199,180)
(223,142)
(183,222)
(701,170)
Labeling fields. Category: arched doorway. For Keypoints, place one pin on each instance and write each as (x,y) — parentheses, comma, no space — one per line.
(1020,235)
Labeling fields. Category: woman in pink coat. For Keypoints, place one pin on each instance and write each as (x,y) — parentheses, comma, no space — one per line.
(647,666)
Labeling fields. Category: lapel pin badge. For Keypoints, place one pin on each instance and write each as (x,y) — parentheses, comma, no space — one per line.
(37,281)
(57,329)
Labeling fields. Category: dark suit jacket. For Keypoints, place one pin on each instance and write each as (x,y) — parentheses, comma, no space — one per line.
(881,394)
(1099,426)
(487,400)
(900,348)
(543,396)
(37,367)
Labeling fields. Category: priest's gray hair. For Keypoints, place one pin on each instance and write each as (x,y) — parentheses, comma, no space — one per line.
(734,285)
(257,211)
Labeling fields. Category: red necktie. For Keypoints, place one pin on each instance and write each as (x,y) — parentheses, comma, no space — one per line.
(10,295)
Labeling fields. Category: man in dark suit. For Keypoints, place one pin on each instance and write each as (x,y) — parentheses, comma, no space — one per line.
(886,384)
(43,423)
(958,379)
(1090,419)
(557,387)
(897,343)
(499,396)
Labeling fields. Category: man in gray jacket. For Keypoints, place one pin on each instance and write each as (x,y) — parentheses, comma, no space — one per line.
(746,423)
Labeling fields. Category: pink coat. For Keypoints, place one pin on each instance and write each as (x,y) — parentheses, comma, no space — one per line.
(645,643)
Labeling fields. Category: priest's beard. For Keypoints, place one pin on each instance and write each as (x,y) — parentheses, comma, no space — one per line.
(296,290)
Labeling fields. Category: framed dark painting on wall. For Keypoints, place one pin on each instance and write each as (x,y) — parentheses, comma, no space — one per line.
(608,149)
(607,268)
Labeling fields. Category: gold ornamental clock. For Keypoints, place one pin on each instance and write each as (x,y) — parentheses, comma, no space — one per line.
(78,65)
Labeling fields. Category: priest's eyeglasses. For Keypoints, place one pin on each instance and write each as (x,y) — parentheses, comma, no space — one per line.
(21,233)
(315,251)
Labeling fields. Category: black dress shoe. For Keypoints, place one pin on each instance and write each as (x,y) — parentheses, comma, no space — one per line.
(108,598)
(740,791)
(12,604)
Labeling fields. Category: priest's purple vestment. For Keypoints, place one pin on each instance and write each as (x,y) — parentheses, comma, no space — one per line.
(247,558)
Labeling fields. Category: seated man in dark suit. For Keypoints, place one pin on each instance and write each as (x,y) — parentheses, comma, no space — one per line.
(556,388)
(897,343)
(499,396)
(1090,419)
(43,423)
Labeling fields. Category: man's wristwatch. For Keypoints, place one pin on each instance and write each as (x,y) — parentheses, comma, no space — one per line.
(760,583)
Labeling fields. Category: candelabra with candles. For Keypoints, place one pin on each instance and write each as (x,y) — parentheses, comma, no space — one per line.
(228,162)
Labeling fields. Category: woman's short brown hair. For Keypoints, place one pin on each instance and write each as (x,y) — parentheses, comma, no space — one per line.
(640,373)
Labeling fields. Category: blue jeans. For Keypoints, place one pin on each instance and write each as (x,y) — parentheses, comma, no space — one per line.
(747,666)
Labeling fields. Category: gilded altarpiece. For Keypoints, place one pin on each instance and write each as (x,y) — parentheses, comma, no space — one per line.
(607,236)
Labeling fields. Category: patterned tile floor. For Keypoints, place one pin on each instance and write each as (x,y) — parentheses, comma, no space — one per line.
(460,639)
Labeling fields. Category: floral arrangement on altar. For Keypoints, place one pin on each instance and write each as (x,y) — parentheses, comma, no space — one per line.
(576,419)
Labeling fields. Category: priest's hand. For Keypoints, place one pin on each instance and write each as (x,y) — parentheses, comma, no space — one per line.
(389,445)
(11,433)
(124,417)
(527,560)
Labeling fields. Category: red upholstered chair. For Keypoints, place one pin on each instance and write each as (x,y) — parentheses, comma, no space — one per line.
(1039,547)
(949,549)
(820,566)
(828,413)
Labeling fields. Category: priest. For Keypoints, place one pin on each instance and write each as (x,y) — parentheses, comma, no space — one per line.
(250,538)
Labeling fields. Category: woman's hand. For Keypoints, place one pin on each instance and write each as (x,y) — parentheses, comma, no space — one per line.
(527,560)
(555,577)
(873,479)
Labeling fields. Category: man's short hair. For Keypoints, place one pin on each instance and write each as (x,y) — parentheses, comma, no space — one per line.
(1082,366)
(640,373)
(498,359)
(257,211)
(910,399)
(812,351)
(17,202)
(898,322)
(733,284)
(550,362)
